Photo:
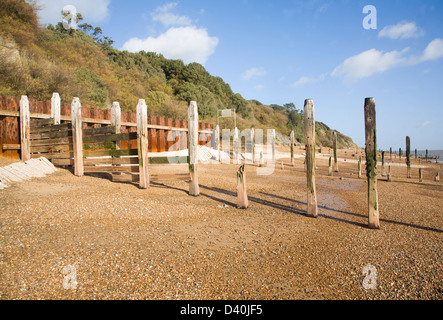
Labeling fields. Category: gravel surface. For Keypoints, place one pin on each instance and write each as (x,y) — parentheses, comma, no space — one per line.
(64,237)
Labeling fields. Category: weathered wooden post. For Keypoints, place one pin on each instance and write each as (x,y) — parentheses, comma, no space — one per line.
(77,136)
(116,117)
(116,122)
(330,167)
(371,163)
(271,134)
(359,168)
(25,123)
(389,174)
(194,189)
(55,108)
(415,153)
(292,137)
(399,153)
(242,196)
(390,153)
(142,143)
(236,146)
(420,175)
(309,122)
(382,163)
(335,151)
(408,156)
(426,156)
(226,146)
(216,141)
(253,144)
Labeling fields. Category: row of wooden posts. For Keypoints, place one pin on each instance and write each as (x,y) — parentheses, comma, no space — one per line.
(193,137)
(142,137)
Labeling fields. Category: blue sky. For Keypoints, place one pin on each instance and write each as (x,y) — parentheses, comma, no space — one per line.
(287,51)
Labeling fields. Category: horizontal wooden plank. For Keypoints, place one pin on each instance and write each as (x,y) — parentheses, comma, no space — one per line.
(49,142)
(62,162)
(51,134)
(56,148)
(99,146)
(53,128)
(110,137)
(168,160)
(118,160)
(96,161)
(41,122)
(115,153)
(111,169)
(11,147)
(97,131)
(62,155)
(110,161)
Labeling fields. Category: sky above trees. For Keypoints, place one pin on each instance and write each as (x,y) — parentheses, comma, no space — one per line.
(276,52)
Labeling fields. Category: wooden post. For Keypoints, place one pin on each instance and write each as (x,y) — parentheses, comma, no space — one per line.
(236,146)
(55,108)
(415,153)
(253,144)
(271,134)
(390,153)
(292,136)
(216,141)
(142,143)
(408,156)
(309,122)
(330,167)
(242,196)
(359,168)
(116,117)
(77,136)
(25,136)
(420,175)
(116,121)
(389,174)
(382,163)
(426,157)
(371,163)
(193,148)
(226,146)
(399,154)
(335,151)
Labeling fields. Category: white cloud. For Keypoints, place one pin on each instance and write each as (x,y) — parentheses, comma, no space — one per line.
(253,72)
(372,61)
(92,11)
(402,30)
(426,123)
(190,44)
(433,51)
(182,40)
(305,80)
(166,17)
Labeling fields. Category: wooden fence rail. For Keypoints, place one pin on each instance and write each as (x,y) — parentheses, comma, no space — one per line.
(163,133)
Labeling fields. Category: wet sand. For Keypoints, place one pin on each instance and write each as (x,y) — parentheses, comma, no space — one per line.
(126,243)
